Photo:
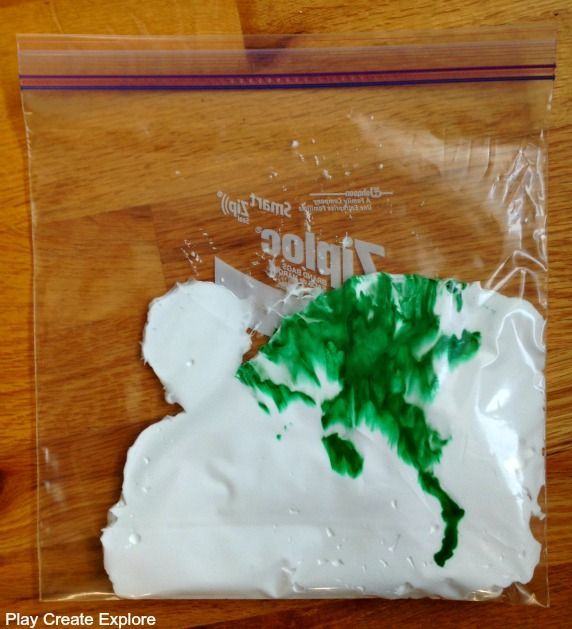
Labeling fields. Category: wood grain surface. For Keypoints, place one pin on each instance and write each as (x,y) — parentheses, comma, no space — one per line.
(138,213)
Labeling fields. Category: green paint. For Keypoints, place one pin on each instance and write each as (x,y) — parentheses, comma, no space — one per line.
(459,349)
(378,337)
(278,436)
(344,458)
(280,393)
(456,288)
(450,512)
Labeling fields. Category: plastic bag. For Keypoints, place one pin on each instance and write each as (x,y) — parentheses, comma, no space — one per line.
(261,164)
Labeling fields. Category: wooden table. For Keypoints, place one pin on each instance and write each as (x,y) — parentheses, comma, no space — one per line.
(19,574)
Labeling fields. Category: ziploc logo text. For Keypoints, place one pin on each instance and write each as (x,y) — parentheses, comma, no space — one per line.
(240,208)
(335,261)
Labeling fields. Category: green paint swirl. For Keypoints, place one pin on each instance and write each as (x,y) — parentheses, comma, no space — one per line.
(344,457)
(378,338)
(456,288)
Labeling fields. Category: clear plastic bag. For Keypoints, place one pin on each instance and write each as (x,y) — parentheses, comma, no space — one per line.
(260,163)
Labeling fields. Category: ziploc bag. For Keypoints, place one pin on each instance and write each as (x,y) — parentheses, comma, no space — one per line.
(374,202)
